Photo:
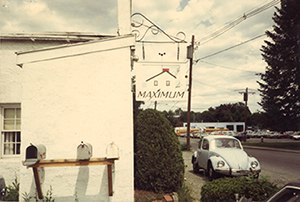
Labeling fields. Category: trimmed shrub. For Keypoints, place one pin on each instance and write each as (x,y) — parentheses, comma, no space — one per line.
(224,189)
(159,165)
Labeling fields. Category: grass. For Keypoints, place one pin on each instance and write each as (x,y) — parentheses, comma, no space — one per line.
(279,145)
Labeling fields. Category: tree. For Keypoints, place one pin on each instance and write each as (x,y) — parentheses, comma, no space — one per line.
(158,162)
(173,117)
(227,113)
(259,120)
(280,85)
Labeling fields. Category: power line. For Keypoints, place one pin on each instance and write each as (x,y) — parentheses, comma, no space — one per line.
(221,51)
(237,21)
(232,68)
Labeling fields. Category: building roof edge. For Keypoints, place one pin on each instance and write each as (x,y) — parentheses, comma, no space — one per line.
(54,36)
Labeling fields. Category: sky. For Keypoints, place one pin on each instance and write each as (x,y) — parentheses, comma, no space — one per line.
(224,65)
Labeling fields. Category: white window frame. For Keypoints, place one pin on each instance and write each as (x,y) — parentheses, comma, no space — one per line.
(2,108)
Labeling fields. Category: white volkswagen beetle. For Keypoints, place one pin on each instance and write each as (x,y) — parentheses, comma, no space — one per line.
(224,155)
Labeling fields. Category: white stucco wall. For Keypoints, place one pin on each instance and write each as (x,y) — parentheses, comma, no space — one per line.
(10,74)
(11,93)
(10,79)
(73,94)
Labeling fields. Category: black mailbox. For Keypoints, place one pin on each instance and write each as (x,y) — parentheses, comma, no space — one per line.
(84,151)
(34,153)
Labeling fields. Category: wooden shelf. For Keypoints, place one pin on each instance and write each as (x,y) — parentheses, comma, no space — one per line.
(72,162)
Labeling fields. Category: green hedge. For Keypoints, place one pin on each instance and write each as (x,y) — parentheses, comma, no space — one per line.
(224,189)
(159,165)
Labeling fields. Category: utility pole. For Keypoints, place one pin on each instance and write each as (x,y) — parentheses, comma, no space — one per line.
(190,53)
(246,95)
(245,98)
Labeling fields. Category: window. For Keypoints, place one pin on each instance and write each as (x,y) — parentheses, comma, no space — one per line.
(227,143)
(289,194)
(205,145)
(240,128)
(230,127)
(10,131)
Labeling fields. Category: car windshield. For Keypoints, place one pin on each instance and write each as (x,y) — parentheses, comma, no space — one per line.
(288,195)
(226,143)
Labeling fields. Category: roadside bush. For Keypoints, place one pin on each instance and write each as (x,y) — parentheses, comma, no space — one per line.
(159,165)
(224,189)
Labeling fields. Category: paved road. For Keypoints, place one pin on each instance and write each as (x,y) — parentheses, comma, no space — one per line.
(281,167)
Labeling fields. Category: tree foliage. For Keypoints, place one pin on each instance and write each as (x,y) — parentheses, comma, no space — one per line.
(280,85)
(232,112)
(236,112)
(175,118)
(158,159)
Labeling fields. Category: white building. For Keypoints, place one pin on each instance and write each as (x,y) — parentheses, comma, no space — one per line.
(67,94)
(11,90)
(61,89)
(234,126)
(63,95)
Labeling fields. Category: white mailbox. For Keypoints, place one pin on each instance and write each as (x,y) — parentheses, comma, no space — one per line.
(112,151)
(84,151)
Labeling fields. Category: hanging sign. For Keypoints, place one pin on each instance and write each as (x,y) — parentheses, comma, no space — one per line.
(161,81)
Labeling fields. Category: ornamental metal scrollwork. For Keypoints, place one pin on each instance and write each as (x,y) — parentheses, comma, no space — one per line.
(140,23)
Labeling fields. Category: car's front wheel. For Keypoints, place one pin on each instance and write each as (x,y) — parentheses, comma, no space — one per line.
(211,173)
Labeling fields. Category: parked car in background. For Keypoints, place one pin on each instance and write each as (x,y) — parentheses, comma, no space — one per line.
(224,155)
(289,193)
(295,135)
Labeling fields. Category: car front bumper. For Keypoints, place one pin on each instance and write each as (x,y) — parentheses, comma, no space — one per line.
(237,172)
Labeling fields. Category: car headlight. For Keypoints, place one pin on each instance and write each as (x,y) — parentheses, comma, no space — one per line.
(220,164)
(254,164)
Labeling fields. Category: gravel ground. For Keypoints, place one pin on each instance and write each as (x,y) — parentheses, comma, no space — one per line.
(193,181)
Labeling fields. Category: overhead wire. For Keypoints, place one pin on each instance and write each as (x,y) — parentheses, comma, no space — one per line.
(231,47)
(237,21)
(225,67)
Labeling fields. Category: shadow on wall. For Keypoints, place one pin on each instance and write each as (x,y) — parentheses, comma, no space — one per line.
(81,187)
(82,181)
(33,192)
